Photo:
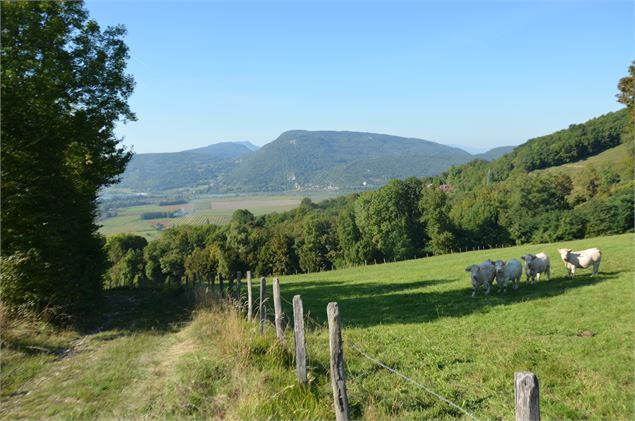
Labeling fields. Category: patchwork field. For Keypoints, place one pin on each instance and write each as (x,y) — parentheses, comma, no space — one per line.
(209,210)
(150,360)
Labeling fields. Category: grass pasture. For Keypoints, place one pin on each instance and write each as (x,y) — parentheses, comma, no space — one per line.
(152,358)
(418,316)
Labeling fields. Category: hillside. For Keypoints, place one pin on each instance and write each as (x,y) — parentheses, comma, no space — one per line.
(296,160)
(150,357)
(163,171)
(611,157)
(302,159)
(495,153)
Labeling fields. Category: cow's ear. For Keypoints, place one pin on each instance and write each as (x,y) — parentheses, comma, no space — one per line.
(522,257)
(468,269)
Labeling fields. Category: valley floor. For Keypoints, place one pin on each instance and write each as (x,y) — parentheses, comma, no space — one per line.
(156,355)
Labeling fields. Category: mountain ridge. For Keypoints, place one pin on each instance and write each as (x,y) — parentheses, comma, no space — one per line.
(296,160)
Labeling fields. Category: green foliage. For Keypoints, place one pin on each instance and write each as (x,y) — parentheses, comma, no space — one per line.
(318,244)
(127,265)
(627,91)
(202,264)
(64,88)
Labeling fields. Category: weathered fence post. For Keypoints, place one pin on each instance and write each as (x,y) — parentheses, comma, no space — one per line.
(527,396)
(277,306)
(250,300)
(239,277)
(300,342)
(220,283)
(338,376)
(230,289)
(263,311)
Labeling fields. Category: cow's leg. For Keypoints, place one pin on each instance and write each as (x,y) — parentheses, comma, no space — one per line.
(487,288)
(538,277)
(548,273)
(596,268)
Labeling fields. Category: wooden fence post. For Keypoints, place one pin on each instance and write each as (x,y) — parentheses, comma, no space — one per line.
(220,283)
(250,300)
(527,394)
(300,342)
(263,311)
(338,376)
(230,289)
(277,306)
(239,277)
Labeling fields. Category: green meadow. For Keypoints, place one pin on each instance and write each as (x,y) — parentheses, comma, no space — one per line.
(160,355)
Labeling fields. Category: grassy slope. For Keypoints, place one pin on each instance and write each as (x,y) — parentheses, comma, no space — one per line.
(417,316)
(609,156)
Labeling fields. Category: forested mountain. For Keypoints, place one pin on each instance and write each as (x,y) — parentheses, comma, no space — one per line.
(296,160)
(163,171)
(224,150)
(495,153)
(325,160)
(301,159)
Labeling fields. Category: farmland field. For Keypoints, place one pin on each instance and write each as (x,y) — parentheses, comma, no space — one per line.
(417,316)
(212,210)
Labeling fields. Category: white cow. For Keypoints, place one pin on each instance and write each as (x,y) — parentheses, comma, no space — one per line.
(581,259)
(506,271)
(535,264)
(482,274)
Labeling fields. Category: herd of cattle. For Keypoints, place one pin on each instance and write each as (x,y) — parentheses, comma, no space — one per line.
(535,265)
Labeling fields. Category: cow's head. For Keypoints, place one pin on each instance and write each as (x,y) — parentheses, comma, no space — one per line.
(529,259)
(564,254)
(499,266)
(474,270)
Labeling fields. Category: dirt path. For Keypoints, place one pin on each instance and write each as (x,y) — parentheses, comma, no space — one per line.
(117,370)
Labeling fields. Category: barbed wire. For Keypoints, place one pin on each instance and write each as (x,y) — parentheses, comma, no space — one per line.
(390,369)
(416,383)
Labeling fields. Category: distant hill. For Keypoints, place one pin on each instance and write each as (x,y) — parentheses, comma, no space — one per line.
(296,160)
(301,159)
(163,171)
(495,153)
(224,150)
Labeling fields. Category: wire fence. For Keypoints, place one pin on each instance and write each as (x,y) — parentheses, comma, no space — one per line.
(314,356)
(391,370)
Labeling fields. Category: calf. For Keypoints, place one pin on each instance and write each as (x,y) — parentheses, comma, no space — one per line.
(482,274)
(581,259)
(535,264)
(506,271)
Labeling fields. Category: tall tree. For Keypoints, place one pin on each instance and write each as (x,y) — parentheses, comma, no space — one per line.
(64,88)
(627,91)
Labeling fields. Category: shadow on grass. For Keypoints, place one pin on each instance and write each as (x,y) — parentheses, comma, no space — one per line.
(369,304)
(137,310)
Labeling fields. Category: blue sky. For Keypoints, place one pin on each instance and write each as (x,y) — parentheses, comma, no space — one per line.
(480,74)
